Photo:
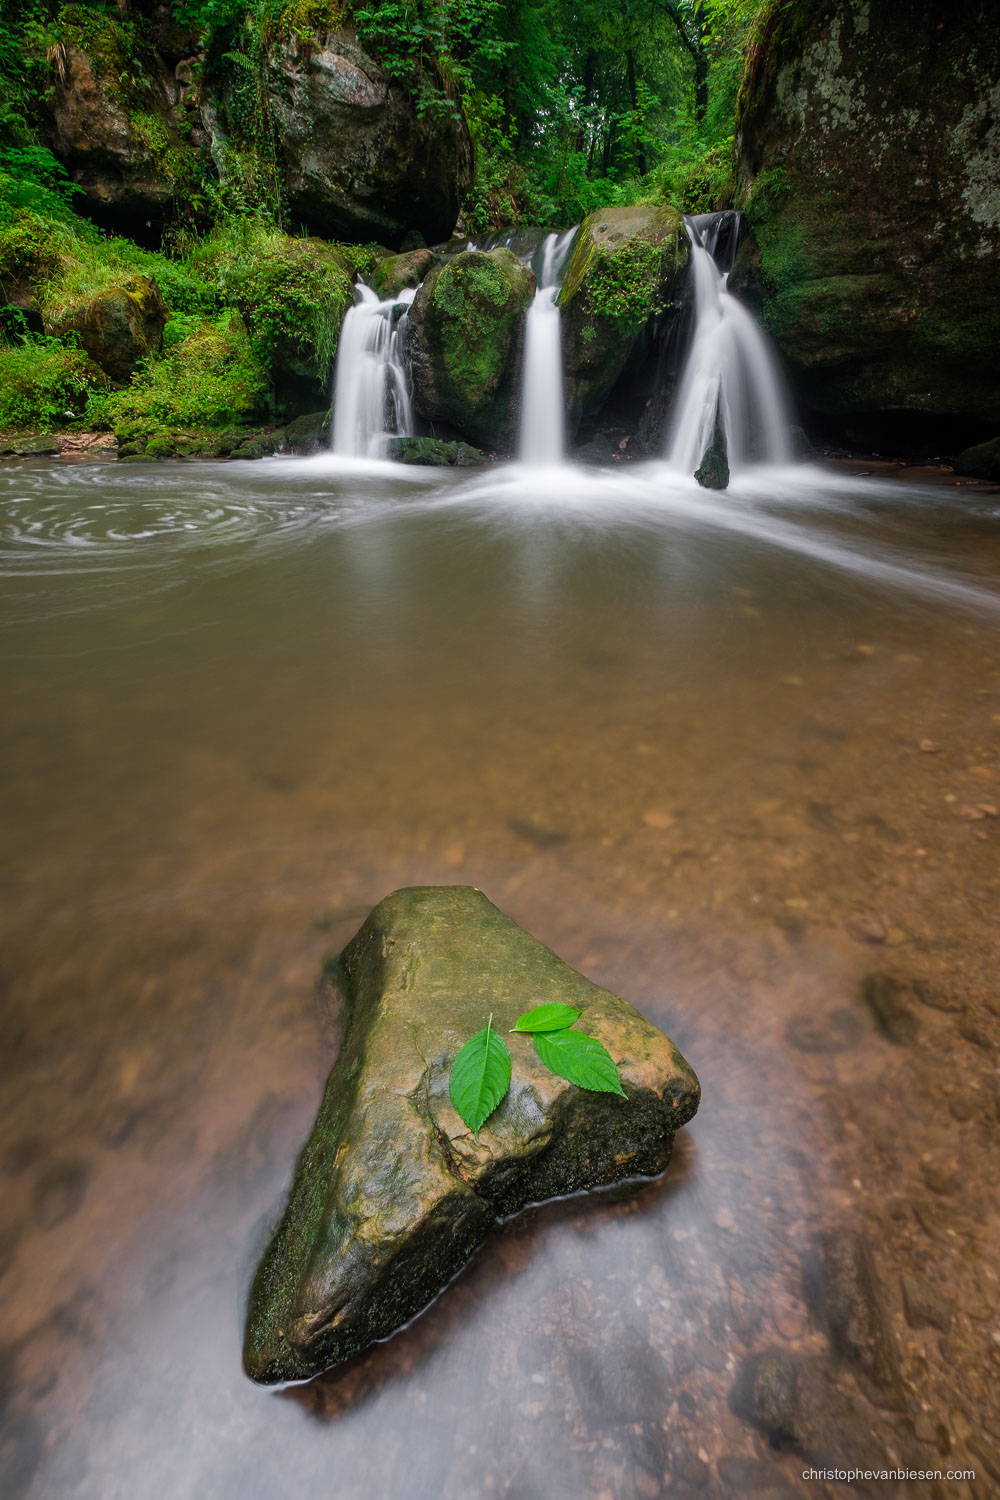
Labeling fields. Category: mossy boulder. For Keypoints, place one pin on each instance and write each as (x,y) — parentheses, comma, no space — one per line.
(432,453)
(359,162)
(467,325)
(307,434)
(878,282)
(392,1192)
(625,268)
(982,461)
(117,327)
(397,272)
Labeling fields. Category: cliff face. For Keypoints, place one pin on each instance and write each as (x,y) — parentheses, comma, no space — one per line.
(869,171)
(142,120)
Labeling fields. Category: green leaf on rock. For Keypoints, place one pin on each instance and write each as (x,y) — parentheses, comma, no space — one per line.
(480,1077)
(550,1017)
(580,1059)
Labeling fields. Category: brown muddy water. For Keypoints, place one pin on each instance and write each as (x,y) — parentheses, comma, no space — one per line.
(736,757)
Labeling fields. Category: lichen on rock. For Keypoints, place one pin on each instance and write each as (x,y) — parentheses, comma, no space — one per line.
(392,1192)
(871,278)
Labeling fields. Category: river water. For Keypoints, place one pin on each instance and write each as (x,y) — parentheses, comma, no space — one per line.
(729,755)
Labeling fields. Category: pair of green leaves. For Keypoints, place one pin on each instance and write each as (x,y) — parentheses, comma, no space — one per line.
(480,1074)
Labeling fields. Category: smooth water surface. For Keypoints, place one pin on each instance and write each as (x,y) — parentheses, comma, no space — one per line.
(728,755)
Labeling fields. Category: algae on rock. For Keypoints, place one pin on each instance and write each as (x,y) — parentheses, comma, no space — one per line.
(392,1193)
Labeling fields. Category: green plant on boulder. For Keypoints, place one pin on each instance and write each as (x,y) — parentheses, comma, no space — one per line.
(213,378)
(624,270)
(293,295)
(43,384)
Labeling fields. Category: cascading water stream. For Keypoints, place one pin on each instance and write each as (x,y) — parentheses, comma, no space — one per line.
(543,419)
(371,388)
(730,372)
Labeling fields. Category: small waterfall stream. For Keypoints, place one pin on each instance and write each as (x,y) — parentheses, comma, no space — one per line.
(371,387)
(543,421)
(730,372)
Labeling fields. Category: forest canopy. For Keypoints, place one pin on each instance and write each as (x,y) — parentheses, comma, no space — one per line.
(570,106)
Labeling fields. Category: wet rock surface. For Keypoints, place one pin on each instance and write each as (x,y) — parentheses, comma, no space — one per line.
(713,471)
(393,1193)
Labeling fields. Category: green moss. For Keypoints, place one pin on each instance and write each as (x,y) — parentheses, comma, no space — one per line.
(623,284)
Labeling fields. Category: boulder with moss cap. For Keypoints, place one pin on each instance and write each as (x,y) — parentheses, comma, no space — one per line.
(467,333)
(625,268)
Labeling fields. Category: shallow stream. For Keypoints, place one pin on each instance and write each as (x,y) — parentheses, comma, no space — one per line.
(730,756)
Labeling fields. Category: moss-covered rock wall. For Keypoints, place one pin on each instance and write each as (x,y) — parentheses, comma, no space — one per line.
(869,171)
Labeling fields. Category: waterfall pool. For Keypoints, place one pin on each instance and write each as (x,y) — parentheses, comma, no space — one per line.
(733,756)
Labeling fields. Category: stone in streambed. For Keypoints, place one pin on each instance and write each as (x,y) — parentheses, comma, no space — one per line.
(392,1193)
(983,460)
(431,452)
(713,472)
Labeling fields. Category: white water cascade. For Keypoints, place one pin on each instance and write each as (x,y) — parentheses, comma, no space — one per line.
(371,388)
(730,371)
(543,418)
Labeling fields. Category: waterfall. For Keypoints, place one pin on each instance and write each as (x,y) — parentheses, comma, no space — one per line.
(730,371)
(371,388)
(542,406)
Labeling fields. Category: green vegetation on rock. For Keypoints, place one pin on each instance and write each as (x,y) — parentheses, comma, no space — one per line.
(45,385)
(468,320)
(392,1193)
(212,378)
(625,267)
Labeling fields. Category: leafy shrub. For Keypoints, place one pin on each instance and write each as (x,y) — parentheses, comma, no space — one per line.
(293,293)
(212,378)
(44,384)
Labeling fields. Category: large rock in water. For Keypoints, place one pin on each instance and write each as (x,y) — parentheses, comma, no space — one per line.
(879,280)
(625,268)
(392,1192)
(468,330)
(359,162)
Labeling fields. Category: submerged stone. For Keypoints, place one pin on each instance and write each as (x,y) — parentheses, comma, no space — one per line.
(392,1193)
